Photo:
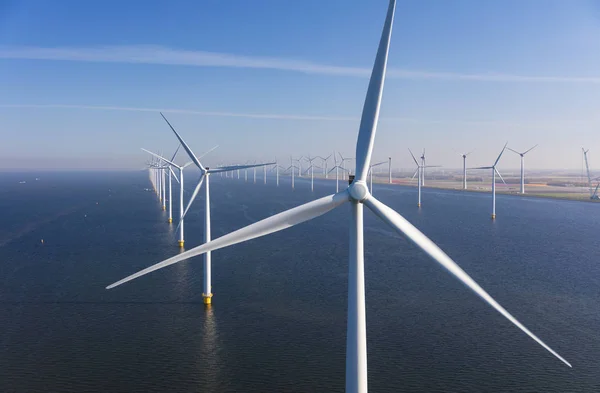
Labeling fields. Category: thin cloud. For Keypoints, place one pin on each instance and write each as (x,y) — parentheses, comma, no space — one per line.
(150,54)
(478,123)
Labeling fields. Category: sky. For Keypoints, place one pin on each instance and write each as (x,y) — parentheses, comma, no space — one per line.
(81,82)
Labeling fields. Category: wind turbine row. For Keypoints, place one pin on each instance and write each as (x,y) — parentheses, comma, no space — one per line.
(357,195)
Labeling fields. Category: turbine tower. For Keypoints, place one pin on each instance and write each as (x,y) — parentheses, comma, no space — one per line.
(522,166)
(356,195)
(494,172)
(464,157)
(390,170)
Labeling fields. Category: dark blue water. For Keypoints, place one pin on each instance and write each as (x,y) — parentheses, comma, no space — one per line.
(278,320)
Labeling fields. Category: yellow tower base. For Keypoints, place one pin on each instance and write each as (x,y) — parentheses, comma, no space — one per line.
(181,243)
(170,220)
(418,205)
(164,208)
(207,298)
(493,216)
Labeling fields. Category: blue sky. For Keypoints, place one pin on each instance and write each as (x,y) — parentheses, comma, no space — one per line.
(80,80)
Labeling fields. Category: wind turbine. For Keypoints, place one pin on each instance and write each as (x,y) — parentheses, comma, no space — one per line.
(299,161)
(205,174)
(522,166)
(464,157)
(180,181)
(312,171)
(423,168)
(494,172)
(291,169)
(164,167)
(390,170)
(337,168)
(371,174)
(357,194)
(325,159)
(344,160)
(420,171)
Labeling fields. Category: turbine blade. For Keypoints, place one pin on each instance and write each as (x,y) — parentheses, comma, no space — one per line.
(162,158)
(176,151)
(370,114)
(413,156)
(402,226)
(193,197)
(527,151)
(500,155)
(174,175)
(233,168)
(482,167)
(205,153)
(498,173)
(415,174)
(185,146)
(188,164)
(514,151)
(275,223)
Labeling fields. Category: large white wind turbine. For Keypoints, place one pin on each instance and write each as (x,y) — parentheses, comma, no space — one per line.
(464,157)
(421,172)
(522,166)
(494,172)
(423,164)
(357,195)
(205,175)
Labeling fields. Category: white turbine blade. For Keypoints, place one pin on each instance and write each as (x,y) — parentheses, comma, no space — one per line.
(176,151)
(370,114)
(174,175)
(187,164)
(498,173)
(431,166)
(233,168)
(415,174)
(379,163)
(193,197)
(275,223)
(162,158)
(405,228)
(482,167)
(470,152)
(514,151)
(205,153)
(527,151)
(500,155)
(413,157)
(185,146)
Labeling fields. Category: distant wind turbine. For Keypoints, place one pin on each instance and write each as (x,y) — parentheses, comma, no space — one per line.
(205,175)
(494,172)
(522,166)
(464,157)
(371,174)
(420,172)
(180,180)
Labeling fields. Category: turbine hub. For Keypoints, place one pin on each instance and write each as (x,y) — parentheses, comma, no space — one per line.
(358,190)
